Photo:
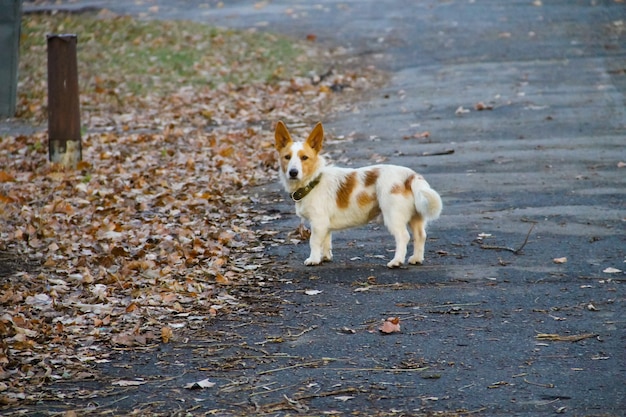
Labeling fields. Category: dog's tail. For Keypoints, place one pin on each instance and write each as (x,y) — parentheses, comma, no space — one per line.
(427,201)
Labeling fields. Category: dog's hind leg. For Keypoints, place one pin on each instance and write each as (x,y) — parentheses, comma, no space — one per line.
(401,234)
(418,227)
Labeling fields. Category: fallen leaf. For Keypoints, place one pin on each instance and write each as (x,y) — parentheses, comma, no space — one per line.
(302,232)
(166,334)
(313,292)
(127,383)
(480,106)
(6,177)
(131,307)
(461,110)
(344,398)
(560,260)
(611,270)
(221,279)
(391,325)
(205,383)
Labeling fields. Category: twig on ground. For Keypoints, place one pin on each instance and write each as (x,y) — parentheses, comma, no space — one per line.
(558,338)
(381,369)
(454,305)
(290,403)
(300,365)
(515,251)
(92,409)
(538,384)
(446,152)
(308,329)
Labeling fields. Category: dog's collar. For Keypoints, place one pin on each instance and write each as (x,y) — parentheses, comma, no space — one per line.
(302,192)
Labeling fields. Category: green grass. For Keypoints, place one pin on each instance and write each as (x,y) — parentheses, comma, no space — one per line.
(123,56)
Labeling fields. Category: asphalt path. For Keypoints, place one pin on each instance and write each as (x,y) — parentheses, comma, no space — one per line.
(515,113)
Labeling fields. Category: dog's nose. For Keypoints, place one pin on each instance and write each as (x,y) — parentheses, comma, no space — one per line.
(293,173)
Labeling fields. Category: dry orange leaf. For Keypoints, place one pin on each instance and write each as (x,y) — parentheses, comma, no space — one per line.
(221,279)
(6,177)
(5,199)
(166,334)
(169,297)
(391,325)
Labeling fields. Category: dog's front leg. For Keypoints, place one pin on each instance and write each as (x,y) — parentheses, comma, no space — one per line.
(319,235)
(328,247)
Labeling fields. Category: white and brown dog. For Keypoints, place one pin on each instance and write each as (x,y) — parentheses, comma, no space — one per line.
(332,198)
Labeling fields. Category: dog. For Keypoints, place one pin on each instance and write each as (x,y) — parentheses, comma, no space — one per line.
(332,198)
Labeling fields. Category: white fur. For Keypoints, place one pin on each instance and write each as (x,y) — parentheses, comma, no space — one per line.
(388,195)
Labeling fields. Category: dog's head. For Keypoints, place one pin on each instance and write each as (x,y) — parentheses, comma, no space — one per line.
(299,161)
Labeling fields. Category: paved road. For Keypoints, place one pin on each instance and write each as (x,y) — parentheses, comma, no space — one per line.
(547,152)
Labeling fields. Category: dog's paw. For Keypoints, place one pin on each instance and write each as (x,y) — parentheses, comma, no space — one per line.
(312,261)
(328,256)
(395,263)
(414,260)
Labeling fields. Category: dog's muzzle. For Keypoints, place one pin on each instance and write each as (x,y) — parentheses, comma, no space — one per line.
(293,173)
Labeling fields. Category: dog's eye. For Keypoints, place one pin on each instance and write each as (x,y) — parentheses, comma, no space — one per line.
(304,157)
(287,157)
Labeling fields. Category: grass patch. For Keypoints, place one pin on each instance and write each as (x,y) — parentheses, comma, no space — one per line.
(121,56)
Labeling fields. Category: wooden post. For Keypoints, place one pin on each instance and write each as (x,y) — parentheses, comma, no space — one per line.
(64,141)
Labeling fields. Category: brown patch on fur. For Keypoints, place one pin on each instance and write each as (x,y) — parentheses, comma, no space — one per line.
(397,189)
(345,190)
(371,177)
(374,212)
(309,164)
(364,199)
(407,184)
(282,161)
(404,188)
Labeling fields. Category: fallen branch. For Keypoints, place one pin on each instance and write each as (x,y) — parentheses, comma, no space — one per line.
(515,251)
(446,152)
(553,337)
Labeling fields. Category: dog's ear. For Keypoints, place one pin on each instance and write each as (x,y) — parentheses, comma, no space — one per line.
(316,138)
(282,136)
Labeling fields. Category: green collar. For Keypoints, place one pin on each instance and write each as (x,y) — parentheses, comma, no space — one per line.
(302,192)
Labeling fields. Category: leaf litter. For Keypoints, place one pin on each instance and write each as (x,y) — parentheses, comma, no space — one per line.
(157,224)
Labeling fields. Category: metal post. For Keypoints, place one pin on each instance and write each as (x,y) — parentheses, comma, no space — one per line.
(10,20)
(64,143)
